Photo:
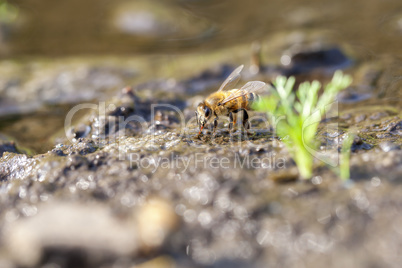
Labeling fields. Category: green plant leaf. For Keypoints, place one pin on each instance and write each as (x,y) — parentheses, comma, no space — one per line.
(302,111)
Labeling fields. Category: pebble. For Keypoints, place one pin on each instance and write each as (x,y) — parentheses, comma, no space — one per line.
(61,229)
(388,146)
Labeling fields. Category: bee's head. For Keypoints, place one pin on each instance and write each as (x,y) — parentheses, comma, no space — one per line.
(203,113)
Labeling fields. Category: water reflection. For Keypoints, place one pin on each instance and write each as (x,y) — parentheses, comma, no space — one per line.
(121,26)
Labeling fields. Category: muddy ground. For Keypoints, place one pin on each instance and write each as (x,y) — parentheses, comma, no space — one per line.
(113,192)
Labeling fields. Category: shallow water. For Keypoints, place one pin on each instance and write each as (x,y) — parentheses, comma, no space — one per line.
(42,28)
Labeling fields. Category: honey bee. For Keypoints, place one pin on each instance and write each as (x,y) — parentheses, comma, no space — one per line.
(228,102)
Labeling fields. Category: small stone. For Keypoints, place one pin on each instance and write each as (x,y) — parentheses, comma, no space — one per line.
(65,228)
(378,115)
(388,146)
(395,128)
(309,59)
(285,175)
(383,135)
(358,144)
(156,220)
(360,118)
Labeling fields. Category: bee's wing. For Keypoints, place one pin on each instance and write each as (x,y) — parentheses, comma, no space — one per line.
(232,79)
(246,89)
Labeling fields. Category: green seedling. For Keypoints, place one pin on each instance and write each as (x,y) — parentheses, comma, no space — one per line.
(296,115)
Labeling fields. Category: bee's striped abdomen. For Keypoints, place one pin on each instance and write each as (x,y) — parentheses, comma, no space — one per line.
(252,98)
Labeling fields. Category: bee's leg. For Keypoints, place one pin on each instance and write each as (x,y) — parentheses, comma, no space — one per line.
(246,123)
(230,122)
(215,125)
(211,127)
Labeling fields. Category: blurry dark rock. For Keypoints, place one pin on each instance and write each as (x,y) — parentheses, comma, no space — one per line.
(123,111)
(359,144)
(348,96)
(395,128)
(103,126)
(80,131)
(7,146)
(124,104)
(326,59)
(58,152)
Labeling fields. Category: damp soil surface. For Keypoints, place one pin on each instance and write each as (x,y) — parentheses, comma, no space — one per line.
(101,164)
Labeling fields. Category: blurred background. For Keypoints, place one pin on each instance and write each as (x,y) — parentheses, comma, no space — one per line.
(49,28)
